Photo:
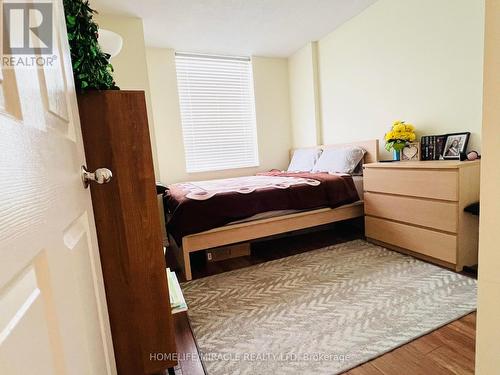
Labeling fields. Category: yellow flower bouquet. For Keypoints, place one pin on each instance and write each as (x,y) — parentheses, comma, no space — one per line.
(400,134)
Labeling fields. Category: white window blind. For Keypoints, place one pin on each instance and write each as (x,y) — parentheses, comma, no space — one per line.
(217,111)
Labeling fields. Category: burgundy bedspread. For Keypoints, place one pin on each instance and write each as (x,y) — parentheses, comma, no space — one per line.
(190,216)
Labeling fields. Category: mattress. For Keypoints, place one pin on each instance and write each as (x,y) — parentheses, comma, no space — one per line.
(358,183)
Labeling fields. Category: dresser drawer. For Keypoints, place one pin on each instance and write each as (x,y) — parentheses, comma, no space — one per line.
(427,183)
(441,215)
(424,241)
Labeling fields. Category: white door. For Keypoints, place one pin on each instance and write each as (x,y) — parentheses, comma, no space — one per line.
(53,314)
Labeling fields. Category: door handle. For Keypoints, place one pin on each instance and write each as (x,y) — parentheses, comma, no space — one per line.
(100,176)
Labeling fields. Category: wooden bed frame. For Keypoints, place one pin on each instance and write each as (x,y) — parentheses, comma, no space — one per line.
(241,232)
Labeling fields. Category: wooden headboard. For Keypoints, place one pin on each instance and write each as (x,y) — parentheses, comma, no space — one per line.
(370,146)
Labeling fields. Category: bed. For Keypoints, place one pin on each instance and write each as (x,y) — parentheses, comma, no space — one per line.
(273,221)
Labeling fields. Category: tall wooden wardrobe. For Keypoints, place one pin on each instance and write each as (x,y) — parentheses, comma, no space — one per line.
(116,136)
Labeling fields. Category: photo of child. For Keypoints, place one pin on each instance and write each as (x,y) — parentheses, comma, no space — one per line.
(455,144)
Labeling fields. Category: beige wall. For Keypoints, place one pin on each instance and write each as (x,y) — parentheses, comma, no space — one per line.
(304,96)
(272,111)
(488,318)
(165,104)
(130,65)
(419,61)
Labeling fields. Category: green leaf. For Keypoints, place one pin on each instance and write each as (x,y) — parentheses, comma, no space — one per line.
(91,67)
(70,20)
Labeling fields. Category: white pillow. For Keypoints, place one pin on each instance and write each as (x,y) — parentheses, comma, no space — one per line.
(303,159)
(339,160)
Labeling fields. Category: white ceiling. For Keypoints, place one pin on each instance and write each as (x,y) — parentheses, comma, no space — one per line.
(236,27)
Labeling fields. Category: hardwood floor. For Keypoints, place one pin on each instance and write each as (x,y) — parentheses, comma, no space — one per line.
(448,350)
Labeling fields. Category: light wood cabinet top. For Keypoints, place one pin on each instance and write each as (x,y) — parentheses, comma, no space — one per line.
(433,164)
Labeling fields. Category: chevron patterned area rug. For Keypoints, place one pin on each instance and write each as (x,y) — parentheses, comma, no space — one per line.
(321,312)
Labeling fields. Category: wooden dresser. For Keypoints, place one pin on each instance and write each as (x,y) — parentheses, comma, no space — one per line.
(418,208)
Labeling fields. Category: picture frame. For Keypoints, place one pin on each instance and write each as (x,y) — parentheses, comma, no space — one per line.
(455,144)
(440,143)
(411,152)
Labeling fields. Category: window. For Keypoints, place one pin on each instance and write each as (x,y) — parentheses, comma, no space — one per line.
(217,111)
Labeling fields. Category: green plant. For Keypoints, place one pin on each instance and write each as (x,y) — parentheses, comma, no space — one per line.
(91,67)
